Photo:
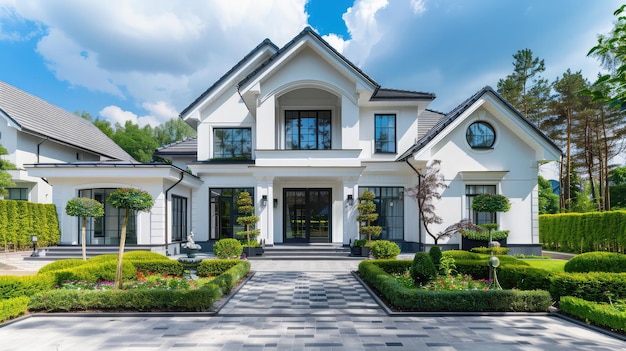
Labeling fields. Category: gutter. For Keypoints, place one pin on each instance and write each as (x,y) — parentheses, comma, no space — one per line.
(419,182)
(167,227)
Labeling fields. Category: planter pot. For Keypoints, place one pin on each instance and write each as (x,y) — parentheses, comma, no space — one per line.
(252,251)
(365,251)
(355,251)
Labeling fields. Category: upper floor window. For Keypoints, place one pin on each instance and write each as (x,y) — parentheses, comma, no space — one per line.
(480,135)
(385,132)
(307,130)
(232,143)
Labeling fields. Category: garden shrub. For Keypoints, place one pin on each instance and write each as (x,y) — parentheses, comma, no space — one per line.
(435,255)
(160,266)
(16,286)
(484,235)
(227,248)
(61,264)
(498,251)
(523,277)
(28,219)
(385,249)
(592,286)
(144,256)
(103,258)
(13,307)
(462,255)
(92,272)
(423,269)
(215,267)
(394,266)
(597,262)
(227,280)
(597,313)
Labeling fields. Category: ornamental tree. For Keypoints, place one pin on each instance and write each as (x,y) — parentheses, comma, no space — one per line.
(130,200)
(247,218)
(491,203)
(84,207)
(367,214)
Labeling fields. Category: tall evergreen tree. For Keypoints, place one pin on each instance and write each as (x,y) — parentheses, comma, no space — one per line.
(6,180)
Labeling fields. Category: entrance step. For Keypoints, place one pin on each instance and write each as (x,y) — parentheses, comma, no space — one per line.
(312,251)
(54,253)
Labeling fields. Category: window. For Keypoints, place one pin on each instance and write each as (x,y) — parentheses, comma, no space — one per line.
(224,212)
(480,135)
(18,194)
(479,217)
(106,230)
(179,218)
(307,130)
(390,208)
(232,143)
(385,133)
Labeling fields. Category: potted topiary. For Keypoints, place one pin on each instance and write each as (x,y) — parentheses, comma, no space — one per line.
(367,215)
(248,219)
(491,203)
(357,246)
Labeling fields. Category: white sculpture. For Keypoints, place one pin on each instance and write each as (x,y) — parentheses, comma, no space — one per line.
(191,244)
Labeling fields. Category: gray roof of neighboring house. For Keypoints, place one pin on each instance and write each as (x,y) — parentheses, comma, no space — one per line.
(383,94)
(36,116)
(456,112)
(187,147)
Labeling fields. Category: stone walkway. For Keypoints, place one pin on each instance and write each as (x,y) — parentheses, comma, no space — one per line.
(302,305)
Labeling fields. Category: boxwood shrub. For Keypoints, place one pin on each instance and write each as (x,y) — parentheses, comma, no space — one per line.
(407,299)
(523,277)
(592,286)
(597,262)
(13,307)
(92,272)
(423,269)
(227,280)
(600,314)
(160,266)
(145,256)
(14,286)
(385,249)
(62,264)
(394,266)
(215,266)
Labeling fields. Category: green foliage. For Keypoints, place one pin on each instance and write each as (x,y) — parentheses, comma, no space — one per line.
(367,214)
(435,256)
(618,175)
(227,280)
(423,269)
(144,255)
(484,236)
(92,272)
(592,286)
(618,197)
(131,199)
(6,181)
(61,264)
(16,286)
(13,308)
(462,255)
(548,201)
(247,217)
(407,299)
(491,203)
(215,267)
(523,277)
(583,232)
(227,248)
(384,249)
(597,262)
(394,266)
(20,219)
(159,266)
(600,314)
(84,207)
(360,243)
(498,251)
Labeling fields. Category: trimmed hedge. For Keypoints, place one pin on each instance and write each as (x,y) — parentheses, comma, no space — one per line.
(498,251)
(160,266)
(144,256)
(21,219)
(591,286)
(385,249)
(584,232)
(394,266)
(215,267)
(13,307)
(407,299)
(92,272)
(61,264)
(423,269)
(15,286)
(597,262)
(599,314)
(227,280)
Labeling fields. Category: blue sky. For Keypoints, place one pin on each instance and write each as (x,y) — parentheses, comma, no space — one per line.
(145,61)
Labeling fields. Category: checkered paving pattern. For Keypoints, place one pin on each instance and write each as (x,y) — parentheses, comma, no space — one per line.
(301,293)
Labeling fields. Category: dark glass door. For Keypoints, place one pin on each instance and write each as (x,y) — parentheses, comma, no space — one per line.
(307,215)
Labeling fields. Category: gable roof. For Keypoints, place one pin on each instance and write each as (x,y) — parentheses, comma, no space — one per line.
(457,111)
(187,147)
(36,116)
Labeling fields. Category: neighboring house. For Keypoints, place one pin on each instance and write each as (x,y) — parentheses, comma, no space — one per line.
(305,131)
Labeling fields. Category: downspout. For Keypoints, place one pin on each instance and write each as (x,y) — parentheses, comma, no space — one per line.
(167,227)
(419,182)
(38,145)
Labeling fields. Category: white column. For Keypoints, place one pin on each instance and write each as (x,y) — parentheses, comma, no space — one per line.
(265,212)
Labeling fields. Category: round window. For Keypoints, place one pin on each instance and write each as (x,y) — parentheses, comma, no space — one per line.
(480,135)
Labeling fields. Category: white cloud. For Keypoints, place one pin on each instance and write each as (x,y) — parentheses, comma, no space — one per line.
(160,113)
(337,42)
(361,23)
(418,6)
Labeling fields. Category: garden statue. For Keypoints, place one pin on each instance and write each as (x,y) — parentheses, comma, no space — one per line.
(191,244)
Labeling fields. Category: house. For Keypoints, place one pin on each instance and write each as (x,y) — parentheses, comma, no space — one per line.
(305,131)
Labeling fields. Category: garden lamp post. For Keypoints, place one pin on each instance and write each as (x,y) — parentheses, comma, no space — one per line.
(33,238)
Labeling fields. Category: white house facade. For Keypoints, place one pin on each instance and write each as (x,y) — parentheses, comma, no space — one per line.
(305,131)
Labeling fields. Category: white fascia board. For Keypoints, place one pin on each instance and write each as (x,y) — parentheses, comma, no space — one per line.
(10,122)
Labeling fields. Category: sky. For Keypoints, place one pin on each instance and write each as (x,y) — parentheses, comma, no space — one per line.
(146,60)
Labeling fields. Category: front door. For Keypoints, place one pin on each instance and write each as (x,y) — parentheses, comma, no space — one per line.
(307,215)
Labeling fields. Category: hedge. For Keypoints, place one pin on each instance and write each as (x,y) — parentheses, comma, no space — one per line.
(17,286)
(584,232)
(596,262)
(19,220)
(215,266)
(227,280)
(169,267)
(597,313)
(62,264)
(407,299)
(13,307)
(93,272)
(592,286)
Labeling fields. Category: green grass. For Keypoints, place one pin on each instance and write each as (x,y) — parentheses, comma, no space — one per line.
(548,265)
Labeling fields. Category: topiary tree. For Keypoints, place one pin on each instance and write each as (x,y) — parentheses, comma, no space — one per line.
(84,207)
(247,217)
(367,214)
(435,255)
(227,248)
(422,269)
(491,203)
(130,200)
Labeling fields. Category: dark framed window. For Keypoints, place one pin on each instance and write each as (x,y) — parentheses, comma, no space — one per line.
(307,130)
(17,194)
(480,135)
(479,217)
(106,230)
(232,143)
(385,132)
(223,212)
(390,208)
(179,218)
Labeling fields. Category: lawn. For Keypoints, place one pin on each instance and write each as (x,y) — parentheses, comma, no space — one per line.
(549,265)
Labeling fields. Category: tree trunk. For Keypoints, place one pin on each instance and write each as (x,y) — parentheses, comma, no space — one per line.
(118,272)
(84,237)
(568,197)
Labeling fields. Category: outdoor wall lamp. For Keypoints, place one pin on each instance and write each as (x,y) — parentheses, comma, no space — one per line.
(33,238)
(350,199)
(264,200)
(275,203)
